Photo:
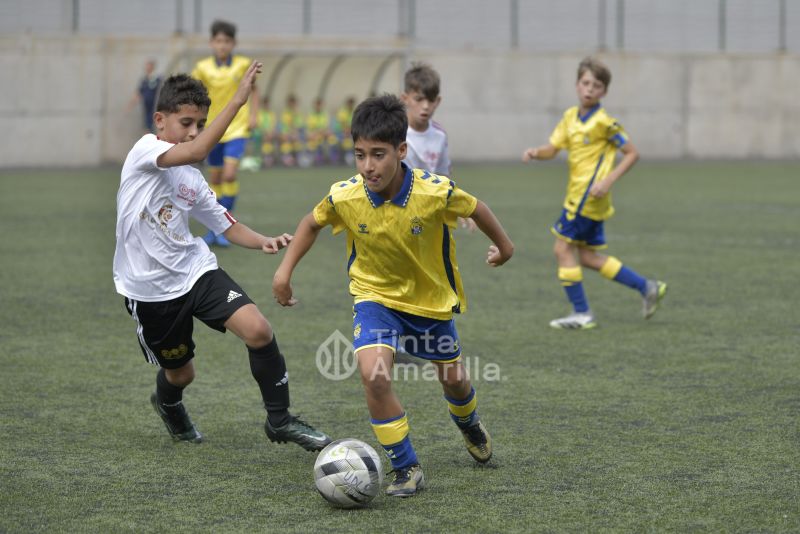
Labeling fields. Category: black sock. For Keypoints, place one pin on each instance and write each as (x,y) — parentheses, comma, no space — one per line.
(269,370)
(167,393)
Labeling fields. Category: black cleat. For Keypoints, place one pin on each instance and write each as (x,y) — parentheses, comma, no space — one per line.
(297,431)
(177,421)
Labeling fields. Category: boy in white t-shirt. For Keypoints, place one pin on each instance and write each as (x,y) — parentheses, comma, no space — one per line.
(426,139)
(168,276)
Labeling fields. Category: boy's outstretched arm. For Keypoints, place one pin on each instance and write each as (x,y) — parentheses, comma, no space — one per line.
(629,156)
(197,149)
(547,151)
(246,237)
(304,237)
(503,248)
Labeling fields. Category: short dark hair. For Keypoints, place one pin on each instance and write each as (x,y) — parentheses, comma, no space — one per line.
(179,90)
(380,118)
(597,68)
(421,77)
(223,26)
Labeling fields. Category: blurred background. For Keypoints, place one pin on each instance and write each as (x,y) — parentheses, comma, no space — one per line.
(691,78)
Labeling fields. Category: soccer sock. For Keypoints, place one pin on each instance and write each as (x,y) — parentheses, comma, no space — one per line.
(230,190)
(168,394)
(463,412)
(269,369)
(614,270)
(393,436)
(217,189)
(572,280)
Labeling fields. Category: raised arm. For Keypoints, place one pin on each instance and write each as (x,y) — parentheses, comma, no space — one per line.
(197,149)
(503,248)
(304,237)
(547,151)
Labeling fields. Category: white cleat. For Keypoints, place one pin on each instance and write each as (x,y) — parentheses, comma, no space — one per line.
(575,321)
(652,297)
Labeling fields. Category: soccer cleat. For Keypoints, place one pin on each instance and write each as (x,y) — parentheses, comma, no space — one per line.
(222,241)
(209,238)
(407,481)
(653,294)
(177,421)
(479,442)
(298,431)
(575,321)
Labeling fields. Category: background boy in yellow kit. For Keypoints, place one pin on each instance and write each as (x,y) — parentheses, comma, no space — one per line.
(221,74)
(403,275)
(592,138)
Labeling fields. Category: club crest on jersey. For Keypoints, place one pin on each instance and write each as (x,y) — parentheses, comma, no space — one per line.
(357,331)
(362,229)
(416,226)
(165,214)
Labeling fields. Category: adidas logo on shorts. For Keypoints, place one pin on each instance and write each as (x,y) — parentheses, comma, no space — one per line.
(233,295)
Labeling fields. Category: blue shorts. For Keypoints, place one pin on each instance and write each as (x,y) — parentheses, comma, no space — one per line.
(432,339)
(233,149)
(579,230)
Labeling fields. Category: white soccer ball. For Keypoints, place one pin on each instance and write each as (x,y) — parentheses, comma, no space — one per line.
(348,473)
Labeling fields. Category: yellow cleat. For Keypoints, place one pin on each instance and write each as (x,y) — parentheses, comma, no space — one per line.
(407,481)
(479,442)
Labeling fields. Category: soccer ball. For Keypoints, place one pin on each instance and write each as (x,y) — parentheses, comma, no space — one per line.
(348,473)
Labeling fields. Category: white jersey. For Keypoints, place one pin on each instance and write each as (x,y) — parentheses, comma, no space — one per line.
(428,150)
(157,258)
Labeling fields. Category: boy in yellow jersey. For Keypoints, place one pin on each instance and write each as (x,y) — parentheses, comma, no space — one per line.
(592,138)
(221,73)
(290,132)
(344,116)
(319,137)
(266,133)
(403,275)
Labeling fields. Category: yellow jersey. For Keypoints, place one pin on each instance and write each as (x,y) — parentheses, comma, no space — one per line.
(400,252)
(221,80)
(592,142)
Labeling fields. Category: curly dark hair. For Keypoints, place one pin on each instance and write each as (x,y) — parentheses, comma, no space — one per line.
(179,90)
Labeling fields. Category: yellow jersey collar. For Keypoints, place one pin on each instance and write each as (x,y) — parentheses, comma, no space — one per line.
(589,113)
(402,196)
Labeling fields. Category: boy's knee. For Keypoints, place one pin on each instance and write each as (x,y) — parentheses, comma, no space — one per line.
(181,377)
(257,332)
(376,383)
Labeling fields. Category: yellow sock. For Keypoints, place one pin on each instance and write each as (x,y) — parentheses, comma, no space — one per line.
(569,276)
(611,267)
(230,189)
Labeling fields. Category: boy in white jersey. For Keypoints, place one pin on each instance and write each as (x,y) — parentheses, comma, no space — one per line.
(592,138)
(168,276)
(426,140)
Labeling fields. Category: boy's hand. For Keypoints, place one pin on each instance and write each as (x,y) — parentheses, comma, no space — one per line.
(530,154)
(282,291)
(247,84)
(274,244)
(600,189)
(495,258)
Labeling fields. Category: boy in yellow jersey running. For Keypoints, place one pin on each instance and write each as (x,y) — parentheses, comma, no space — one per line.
(221,73)
(592,138)
(403,275)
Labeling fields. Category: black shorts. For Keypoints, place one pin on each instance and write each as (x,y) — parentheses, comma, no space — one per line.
(165,328)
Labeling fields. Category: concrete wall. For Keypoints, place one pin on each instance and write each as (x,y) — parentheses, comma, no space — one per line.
(63,99)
